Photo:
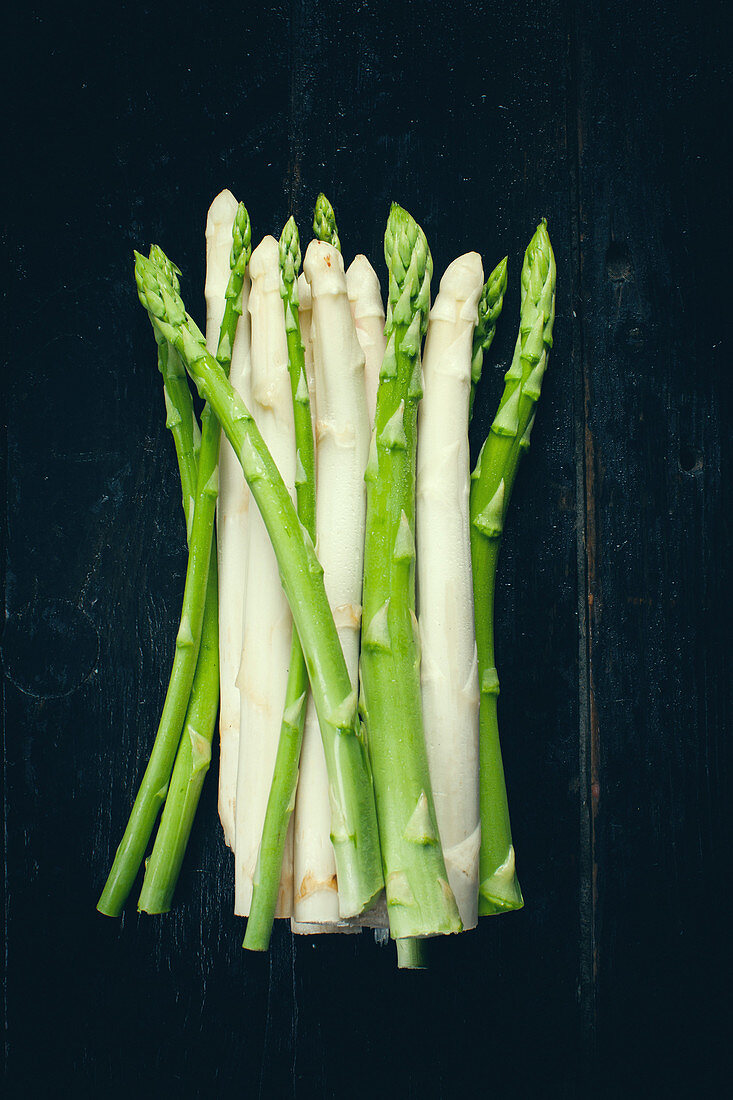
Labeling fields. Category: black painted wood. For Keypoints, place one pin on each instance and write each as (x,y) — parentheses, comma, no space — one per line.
(481,118)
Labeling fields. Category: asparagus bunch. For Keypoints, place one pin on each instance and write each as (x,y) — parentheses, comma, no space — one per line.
(419,898)
(436,770)
(492,483)
(354,829)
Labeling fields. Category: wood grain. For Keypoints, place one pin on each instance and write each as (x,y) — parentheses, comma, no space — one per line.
(613,633)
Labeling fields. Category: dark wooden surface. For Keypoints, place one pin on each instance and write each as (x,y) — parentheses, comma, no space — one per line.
(613,122)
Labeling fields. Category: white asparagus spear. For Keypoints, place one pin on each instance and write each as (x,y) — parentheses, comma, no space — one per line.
(267,619)
(232,504)
(445,590)
(342,447)
(365,298)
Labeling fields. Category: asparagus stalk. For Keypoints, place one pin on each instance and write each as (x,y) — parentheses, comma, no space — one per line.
(492,483)
(342,433)
(233,501)
(285,777)
(365,296)
(449,675)
(419,898)
(191,765)
(267,618)
(355,835)
(194,751)
(411,954)
(305,311)
(154,785)
(324,223)
(489,308)
(181,421)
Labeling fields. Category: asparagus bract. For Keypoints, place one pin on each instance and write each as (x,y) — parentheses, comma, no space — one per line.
(492,483)
(449,674)
(419,898)
(365,296)
(324,222)
(342,433)
(285,776)
(355,835)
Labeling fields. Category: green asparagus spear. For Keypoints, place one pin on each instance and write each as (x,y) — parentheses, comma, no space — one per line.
(285,778)
(324,222)
(194,751)
(355,836)
(154,786)
(191,765)
(420,901)
(492,483)
(489,308)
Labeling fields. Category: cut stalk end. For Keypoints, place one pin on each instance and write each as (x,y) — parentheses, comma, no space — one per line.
(411,954)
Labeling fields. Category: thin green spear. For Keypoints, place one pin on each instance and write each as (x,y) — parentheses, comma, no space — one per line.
(355,835)
(285,778)
(489,308)
(192,756)
(324,222)
(492,483)
(194,751)
(154,786)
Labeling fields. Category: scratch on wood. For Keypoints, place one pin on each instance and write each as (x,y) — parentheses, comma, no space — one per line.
(585,486)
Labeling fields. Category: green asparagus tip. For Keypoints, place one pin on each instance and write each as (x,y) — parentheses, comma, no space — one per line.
(498,275)
(489,306)
(158,295)
(410,267)
(539,275)
(241,240)
(539,251)
(324,222)
(161,261)
(290,251)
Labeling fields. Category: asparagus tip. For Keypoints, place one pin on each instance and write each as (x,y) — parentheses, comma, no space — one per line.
(241,238)
(324,222)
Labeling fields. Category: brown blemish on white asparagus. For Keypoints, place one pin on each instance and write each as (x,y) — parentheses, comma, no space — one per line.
(367,309)
(232,504)
(342,437)
(267,619)
(445,589)
(311,885)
